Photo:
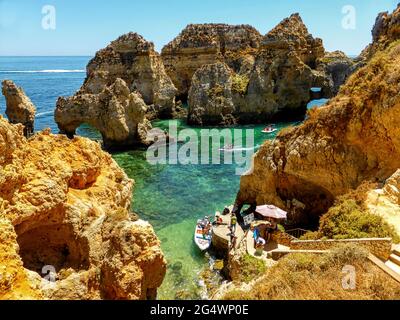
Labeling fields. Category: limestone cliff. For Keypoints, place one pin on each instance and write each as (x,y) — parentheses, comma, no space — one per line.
(119,115)
(385,31)
(134,60)
(202,44)
(354,138)
(210,97)
(277,85)
(123,80)
(284,73)
(20,108)
(64,216)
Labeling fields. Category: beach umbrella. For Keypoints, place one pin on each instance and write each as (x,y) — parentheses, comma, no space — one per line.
(269,211)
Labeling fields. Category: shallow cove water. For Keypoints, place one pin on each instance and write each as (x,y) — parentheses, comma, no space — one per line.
(170,197)
(173,197)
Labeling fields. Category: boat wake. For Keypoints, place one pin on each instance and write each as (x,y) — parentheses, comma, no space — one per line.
(42,114)
(239,149)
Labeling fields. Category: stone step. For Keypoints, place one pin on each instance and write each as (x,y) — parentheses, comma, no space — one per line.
(395,259)
(393,266)
(396,251)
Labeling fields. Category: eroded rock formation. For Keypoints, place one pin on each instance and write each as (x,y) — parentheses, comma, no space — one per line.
(20,108)
(124,81)
(385,31)
(118,113)
(210,97)
(277,85)
(134,60)
(354,138)
(202,44)
(64,216)
(284,73)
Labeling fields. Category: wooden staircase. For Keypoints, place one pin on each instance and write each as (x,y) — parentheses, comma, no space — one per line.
(394,260)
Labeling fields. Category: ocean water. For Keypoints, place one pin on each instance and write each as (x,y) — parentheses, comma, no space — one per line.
(171,197)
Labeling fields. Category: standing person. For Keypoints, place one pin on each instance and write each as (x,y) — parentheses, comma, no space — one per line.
(256,234)
(233,223)
(233,239)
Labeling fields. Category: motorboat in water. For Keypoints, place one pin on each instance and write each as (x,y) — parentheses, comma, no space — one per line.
(269,130)
(202,238)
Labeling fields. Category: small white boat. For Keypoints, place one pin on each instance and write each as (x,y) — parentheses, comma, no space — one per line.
(269,130)
(229,148)
(203,241)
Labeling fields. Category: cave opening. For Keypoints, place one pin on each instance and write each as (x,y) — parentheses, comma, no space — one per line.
(53,247)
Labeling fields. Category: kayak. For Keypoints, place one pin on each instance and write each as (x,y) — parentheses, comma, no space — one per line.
(203,241)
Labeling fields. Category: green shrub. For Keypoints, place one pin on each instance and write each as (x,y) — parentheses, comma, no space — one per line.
(251,268)
(349,220)
(312,235)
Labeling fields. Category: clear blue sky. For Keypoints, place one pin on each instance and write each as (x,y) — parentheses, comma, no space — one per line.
(84,26)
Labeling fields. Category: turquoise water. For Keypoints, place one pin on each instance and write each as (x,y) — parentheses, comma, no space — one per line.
(170,197)
(173,197)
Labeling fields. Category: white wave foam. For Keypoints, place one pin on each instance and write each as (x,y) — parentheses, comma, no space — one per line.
(44,71)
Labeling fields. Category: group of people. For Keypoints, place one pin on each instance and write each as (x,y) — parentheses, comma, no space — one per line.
(261,231)
(206,226)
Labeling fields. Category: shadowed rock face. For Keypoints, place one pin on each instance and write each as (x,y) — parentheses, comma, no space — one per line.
(338,67)
(202,44)
(354,138)
(120,115)
(64,208)
(20,108)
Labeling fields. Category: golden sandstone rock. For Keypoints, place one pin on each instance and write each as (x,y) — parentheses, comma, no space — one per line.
(64,216)
(20,108)
(274,84)
(125,81)
(119,115)
(202,44)
(354,138)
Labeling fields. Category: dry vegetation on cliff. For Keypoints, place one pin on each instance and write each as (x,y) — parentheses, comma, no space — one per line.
(311,277)
(350,218)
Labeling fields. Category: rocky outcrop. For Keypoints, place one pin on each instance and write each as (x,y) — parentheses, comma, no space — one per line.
(392,188)
(118,113)
(385,31)
(277,86)
(354,138)
(134,60)
(124,81)
(338,67)
(202,44)
(66,230)
(20,108)
(210,97)
(284,73)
